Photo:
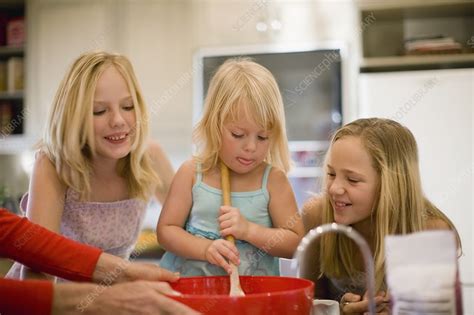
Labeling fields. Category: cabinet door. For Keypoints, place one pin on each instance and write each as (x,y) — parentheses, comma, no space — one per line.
(437,106)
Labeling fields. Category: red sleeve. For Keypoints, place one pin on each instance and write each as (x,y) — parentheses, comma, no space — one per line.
(25,297)
(43,250)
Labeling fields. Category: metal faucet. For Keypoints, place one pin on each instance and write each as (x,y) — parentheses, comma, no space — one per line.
(356,237)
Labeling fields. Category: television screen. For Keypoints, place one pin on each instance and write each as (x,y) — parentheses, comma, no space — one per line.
(310,83)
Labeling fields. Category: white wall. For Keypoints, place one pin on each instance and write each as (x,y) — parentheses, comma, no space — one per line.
(437,106)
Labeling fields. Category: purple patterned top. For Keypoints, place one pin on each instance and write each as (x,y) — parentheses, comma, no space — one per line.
(110,226)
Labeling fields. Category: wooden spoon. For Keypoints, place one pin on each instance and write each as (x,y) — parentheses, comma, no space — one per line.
(235,289)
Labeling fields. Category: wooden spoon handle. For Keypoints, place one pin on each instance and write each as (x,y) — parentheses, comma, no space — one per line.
(225,185)
(235,288)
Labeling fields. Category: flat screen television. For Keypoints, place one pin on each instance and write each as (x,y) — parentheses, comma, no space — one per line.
(311,82)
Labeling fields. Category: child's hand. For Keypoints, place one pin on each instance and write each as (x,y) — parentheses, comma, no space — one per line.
(231,222)
(220,251)
(353,303)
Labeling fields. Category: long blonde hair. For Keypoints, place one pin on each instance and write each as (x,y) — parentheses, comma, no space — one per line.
(69,136)
(400,206)
(242,82)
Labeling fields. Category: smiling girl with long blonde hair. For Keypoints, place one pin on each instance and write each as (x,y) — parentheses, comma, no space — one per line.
(373,184)
(96,169)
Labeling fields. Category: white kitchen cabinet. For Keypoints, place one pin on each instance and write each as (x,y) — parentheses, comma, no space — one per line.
(387,24)
(437,106)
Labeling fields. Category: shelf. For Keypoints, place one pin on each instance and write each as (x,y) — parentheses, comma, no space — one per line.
(390,9)
(12,5)
(388,24)
(422,62)
(15,144)
(11,95)
(11,51)
(13,131)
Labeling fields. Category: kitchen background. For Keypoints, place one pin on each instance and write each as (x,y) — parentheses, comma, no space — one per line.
(376,73)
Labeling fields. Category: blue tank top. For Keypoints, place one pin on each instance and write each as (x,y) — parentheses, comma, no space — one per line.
(202,222)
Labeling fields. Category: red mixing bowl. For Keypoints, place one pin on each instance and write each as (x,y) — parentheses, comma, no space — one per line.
(263,295)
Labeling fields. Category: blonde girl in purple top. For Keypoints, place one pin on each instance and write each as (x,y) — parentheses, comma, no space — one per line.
(95,169)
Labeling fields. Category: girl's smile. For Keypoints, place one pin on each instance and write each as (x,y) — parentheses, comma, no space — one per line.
(341,206)
(117,138)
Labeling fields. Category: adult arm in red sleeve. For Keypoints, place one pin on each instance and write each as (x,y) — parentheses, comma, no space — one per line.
(43,250)
(46,251)
(40,249)
(25,297)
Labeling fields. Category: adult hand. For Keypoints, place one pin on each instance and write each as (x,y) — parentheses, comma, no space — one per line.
(139,297)
(355,304)
(147,271)
(231,222)
(220,251)
(112,269)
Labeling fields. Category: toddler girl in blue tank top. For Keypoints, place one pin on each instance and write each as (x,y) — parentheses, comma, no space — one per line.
(243,126)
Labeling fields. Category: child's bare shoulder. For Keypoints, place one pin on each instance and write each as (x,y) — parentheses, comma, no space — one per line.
(188,167)
(45,176)
(42,157)
(43,162)
(277,176)
(277,181)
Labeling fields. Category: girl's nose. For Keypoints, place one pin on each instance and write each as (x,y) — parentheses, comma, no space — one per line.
(250,145)
(335,188)
(117,119)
